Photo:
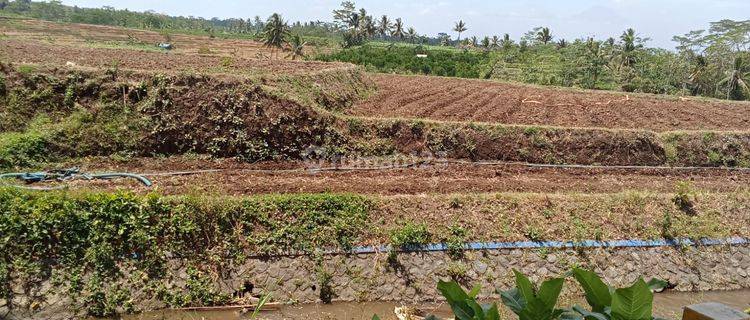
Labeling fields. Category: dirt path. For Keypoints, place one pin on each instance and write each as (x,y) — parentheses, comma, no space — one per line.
(485,101)
(245,179)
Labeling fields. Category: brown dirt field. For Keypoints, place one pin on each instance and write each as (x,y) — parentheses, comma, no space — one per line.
(33,52)
(486,101)
(238,179)
(56,44)
(93,35)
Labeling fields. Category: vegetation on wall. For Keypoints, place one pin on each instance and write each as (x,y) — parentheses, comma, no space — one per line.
(88,240)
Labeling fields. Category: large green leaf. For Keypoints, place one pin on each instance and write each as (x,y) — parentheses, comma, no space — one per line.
(597,292)
(492,313)
(536,309)
(524,285)
(457,299)
(633,303)
(513,300)
(549,291)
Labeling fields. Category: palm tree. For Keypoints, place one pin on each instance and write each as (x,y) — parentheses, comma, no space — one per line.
(544,35)
(562,43)
(275,32)
(367,26)
(474,41)
(630,42)
(737,80)
(384,26)
(486,43)
(398,29)
(460,28)
(296,47)
(495,42)
(411,34)
(507,42)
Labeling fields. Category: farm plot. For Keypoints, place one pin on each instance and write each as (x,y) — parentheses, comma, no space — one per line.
(485,101)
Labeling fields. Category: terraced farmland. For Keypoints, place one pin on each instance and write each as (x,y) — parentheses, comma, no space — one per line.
(453,99)
(234,144)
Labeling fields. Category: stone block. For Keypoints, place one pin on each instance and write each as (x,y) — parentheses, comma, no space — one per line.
(713,311)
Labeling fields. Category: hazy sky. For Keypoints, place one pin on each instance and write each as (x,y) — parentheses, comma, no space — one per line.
(657,19)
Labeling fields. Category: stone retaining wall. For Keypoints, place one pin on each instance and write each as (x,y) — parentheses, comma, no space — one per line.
(412,277)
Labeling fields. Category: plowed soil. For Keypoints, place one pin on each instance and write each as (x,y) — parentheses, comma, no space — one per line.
(93,35)
(243,179)
(34,52)
(486,101)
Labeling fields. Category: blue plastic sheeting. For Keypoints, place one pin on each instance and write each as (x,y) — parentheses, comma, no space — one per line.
(559,245)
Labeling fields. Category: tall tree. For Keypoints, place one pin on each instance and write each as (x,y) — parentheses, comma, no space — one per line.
(347,16)
(507,42)
(630,42)
(398,29)
(460,28)
(544,35)
(495,42)
(384,26)
(411,34)
(486,43)
(367,26)
(275,32)
(737,81)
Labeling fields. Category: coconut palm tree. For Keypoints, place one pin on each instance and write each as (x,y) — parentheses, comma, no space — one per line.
(630,43)
(296,47)
(411,34)
(460,28)
(737,80)
(367,26)
(495,42)
(544,35)
(474,41)
(275,32)
(398,29)
(507,42)
(486,43)
(562,43)
(384,26)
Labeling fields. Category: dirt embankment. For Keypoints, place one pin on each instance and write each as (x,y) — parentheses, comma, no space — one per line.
(555,145)
(79,113)
(485,101)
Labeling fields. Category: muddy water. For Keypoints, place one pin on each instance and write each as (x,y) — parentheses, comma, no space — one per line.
(667,305)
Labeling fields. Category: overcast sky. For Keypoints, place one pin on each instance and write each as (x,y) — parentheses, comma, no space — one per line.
(570,19)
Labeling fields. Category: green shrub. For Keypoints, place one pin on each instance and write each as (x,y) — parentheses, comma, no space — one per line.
(410,235)
(684,197)
(23,149)
(455,241)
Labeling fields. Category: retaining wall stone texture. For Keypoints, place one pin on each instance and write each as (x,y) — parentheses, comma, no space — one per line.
(413,276)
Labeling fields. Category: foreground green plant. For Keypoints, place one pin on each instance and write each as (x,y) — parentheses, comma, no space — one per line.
(465,305)
(630,303)
(532,303)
